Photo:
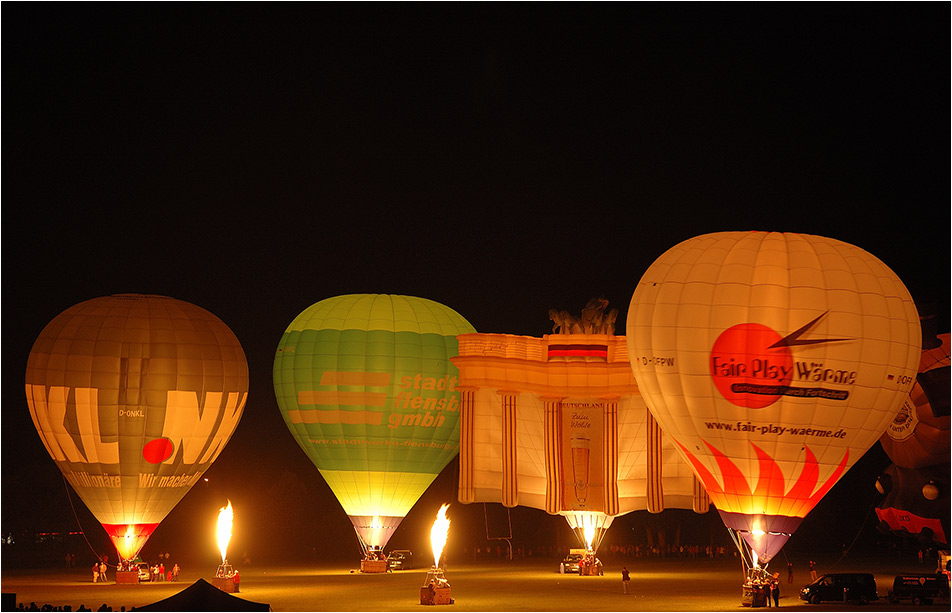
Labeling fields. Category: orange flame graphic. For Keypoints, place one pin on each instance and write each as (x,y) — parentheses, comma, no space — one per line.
(771,496)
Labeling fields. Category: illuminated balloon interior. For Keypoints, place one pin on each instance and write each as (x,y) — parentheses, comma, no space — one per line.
(589,527)
(129,538)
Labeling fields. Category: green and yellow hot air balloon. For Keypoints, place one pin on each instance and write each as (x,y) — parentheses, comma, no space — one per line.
(367,388)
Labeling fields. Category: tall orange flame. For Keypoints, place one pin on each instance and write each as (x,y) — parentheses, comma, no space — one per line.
(225,520)
(438,534)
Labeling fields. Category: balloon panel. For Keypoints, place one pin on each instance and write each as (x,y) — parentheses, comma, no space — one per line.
(366,386)
(774,360)
(544,391)
(134,397)
(919,435)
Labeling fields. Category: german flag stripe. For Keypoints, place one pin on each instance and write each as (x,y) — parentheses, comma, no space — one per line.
(600,351)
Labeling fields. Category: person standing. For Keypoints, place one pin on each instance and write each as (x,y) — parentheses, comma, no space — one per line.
(102,571)
(812,570)
(625,579)
(95,572)
(236,579)
(775,592)
(175,572)
(789,572)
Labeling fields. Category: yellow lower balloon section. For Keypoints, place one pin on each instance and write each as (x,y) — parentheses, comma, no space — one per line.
(368,493)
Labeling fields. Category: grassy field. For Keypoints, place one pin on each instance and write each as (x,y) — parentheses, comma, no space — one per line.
(519,585)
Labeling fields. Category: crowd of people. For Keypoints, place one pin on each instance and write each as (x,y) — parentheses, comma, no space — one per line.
(609,551)
(48,607)
(667,551)
(159,570)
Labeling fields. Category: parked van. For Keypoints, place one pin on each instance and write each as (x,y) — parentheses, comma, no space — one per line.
(919,589)
(852,587)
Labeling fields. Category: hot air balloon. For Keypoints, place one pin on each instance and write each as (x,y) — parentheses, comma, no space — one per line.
(916,485)
(365,384)
(774,361)
(134,397)
(557,424)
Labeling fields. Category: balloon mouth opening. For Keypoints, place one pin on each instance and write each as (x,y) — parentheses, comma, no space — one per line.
(129,538)
(764,534)
(374,531)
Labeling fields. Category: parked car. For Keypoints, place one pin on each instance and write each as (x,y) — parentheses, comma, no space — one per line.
(919,589)
(853,587)
(145,573)
(400,559)
(570,563)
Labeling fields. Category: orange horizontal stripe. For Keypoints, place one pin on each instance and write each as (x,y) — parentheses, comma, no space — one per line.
(296,416)
(343,377)
(371,399)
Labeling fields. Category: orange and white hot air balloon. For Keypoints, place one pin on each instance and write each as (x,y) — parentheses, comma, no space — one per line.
(774,361)
(134,397)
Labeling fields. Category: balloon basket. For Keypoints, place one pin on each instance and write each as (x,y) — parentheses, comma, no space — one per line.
(757,587)
(224,578)
(127,576)
(373,566)
(754,596)
(436,589)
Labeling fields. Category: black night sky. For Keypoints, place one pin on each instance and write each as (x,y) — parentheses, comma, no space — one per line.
(502,159)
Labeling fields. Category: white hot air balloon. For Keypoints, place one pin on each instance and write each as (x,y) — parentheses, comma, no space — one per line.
(775,361)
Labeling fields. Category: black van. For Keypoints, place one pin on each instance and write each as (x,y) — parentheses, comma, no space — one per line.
(919,589)
(852,587)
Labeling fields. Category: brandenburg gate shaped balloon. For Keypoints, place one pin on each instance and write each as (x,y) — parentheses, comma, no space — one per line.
(134,397)
(775,361)
(366,386)
(557,423)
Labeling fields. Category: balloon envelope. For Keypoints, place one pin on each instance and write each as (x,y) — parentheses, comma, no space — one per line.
(775,361)
(919,436)
(918,442)
(365,384)
(134,397)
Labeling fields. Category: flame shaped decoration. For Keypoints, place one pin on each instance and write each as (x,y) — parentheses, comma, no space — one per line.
(770,497)
(438,533)
(225,519)
(767,515)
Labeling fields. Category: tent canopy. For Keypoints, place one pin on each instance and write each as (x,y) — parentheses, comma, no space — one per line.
(203,596)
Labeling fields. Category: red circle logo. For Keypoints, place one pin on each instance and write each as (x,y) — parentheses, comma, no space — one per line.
(746,370)
(158,450)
